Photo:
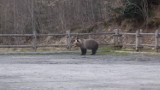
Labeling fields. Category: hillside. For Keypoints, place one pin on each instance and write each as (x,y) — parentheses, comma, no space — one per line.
(57,16)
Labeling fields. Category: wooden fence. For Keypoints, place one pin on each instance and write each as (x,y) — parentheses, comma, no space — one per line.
(117,38)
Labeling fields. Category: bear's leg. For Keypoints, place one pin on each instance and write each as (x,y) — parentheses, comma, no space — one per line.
(83,51)
(94,51)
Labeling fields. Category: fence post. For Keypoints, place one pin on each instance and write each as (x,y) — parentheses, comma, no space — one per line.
(156,40)
(138,40)
(117,39)
(35,40)
(89,36)
(68,39)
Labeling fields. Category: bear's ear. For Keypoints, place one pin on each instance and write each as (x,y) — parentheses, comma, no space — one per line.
(78,40)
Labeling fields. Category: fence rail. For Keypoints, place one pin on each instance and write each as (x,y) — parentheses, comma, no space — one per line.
(117,38)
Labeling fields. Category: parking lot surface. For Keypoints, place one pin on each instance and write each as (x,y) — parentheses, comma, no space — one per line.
(76,72)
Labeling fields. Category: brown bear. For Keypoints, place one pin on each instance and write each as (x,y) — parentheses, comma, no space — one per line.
(85,44)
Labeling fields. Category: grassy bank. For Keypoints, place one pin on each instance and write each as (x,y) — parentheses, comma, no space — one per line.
(50,50)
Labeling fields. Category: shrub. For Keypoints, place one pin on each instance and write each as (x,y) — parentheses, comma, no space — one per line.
(138,9)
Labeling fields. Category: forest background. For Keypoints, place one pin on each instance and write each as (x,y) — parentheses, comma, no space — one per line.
(58,16)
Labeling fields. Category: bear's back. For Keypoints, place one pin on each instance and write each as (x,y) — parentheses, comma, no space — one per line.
(90,44)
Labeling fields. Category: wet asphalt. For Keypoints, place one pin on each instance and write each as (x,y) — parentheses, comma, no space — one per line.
(61,71)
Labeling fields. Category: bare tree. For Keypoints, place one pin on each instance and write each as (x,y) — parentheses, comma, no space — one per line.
(50,16)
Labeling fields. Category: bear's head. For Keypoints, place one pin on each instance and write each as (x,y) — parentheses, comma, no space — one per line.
(77,43)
